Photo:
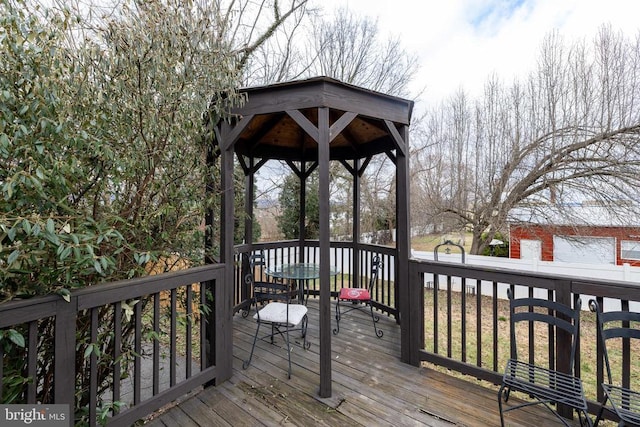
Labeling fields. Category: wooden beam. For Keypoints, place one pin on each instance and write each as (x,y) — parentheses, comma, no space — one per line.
(325,253)
(409,326)
(341,124)
(232,136)
(348,167)
(304,123)
(357,200)
(223,293)
(397,138)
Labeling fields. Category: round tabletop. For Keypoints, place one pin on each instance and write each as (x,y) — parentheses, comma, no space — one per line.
(299,271)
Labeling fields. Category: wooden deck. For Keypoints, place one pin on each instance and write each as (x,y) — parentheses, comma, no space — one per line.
(370,387)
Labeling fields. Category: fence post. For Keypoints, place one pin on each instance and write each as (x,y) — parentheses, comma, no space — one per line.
(563,340)
(412,318)
(64,376)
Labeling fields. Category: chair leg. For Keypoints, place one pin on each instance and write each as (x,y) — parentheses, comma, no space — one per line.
(601,411)
(500,391)
(337,328)
(586,418)
(246,363)
(375,319)
(288,352)
(306,344)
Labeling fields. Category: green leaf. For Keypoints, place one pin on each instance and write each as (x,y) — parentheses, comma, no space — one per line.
(51,227)
(16,337)
(13,257)
(65,294)
(88,351)
(26,226)
(65,253)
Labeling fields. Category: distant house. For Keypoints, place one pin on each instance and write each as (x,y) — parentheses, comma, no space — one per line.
(584,234)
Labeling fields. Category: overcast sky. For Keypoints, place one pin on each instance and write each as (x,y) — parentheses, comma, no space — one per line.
(460,42)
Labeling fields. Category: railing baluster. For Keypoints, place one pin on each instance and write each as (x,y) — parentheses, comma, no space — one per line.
(203,327)
(137,360)
(495,325)
(479,322)
(156,344)
(532,337)
(173,360)
(188,332)
(463,329)
(32,361)
(117,352)
(449,318)
(436,332)
(1,373)
(93,368)
(626,351)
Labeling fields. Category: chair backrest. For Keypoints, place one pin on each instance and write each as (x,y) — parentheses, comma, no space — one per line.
(376,266)
(265,289)
(546,313)
(256,260)
(615,324)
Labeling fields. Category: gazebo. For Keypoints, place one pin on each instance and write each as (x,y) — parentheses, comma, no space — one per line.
(308,124)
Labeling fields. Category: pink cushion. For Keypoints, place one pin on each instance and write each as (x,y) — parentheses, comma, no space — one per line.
(357,294)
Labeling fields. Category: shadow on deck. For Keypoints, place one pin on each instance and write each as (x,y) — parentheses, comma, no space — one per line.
(370,386)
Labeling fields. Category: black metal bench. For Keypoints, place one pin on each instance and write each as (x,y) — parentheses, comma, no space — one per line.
(545,386)
(625,402)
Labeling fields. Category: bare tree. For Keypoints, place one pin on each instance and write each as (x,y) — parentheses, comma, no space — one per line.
(350,48)
(569,133)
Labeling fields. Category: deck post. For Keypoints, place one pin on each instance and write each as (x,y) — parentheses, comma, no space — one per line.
(563,341)
(325,254)
(403,248)
(223,293)
(65,352)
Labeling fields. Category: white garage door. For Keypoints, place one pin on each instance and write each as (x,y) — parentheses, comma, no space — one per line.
(530,249)
(588,250)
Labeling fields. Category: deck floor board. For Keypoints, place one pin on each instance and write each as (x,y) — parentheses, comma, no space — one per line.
(370,386)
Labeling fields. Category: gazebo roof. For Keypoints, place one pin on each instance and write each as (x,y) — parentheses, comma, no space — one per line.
(358,118)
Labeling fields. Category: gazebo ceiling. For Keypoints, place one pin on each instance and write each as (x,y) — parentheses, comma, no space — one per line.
(282,117)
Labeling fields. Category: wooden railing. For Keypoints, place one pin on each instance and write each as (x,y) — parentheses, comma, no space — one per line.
(95,351)
(114,352)
(354,266)
(459,319)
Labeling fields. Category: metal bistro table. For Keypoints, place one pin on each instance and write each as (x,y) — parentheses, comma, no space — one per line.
(301,273)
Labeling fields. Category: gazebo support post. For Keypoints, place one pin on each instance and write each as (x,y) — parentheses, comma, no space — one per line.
(223,294)
(302,176)
(249,192)
(325,286)
(355,275)
(408,325)
(210,189)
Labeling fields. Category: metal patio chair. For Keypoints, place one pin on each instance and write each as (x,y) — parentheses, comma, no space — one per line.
(618,326)
(278,312)
(546,386)
(261,289)
(360,298)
